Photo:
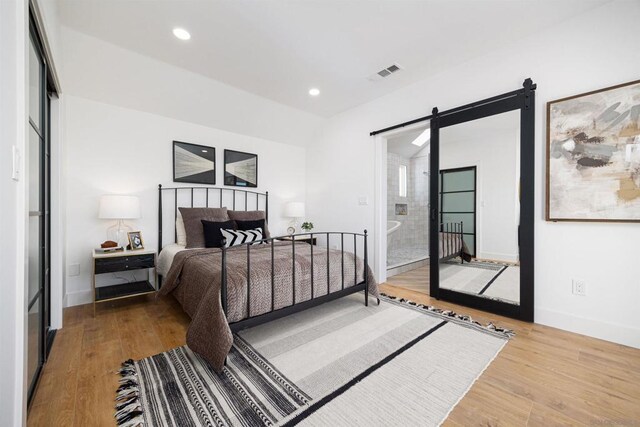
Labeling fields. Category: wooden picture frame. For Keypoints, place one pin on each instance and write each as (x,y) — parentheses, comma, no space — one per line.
(599,147)
(240,169)
(193,163)
(135,240)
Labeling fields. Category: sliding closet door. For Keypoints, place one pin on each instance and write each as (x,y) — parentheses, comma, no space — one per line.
(38,165)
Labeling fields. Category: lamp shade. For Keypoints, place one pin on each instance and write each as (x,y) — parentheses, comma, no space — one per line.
(294,210)
(115,206)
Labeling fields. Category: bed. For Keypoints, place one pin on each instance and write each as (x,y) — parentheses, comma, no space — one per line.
(451,243)
(224,290)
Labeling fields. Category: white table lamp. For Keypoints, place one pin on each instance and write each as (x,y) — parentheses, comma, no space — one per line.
(294,210)
(119,207)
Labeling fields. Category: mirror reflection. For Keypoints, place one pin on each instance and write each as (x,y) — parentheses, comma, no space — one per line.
(479,207)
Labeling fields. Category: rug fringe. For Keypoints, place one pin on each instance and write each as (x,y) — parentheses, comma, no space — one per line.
(507,333)
(128,407)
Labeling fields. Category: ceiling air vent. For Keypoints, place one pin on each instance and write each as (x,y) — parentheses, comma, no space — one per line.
(385,72)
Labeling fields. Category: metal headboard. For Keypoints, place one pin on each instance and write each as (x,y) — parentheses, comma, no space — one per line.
(210,197)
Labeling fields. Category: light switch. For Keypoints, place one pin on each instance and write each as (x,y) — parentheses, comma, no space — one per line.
(15,163)
(363,201)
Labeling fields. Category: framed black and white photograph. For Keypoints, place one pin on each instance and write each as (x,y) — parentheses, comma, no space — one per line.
(194,163)
(135,240)
(240,169)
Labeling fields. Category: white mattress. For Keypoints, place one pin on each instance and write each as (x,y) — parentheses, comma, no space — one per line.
(166,257)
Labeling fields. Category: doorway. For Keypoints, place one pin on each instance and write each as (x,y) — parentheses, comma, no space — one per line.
(458,202)
(407,200)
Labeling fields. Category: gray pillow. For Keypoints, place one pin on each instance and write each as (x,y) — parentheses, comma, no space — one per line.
(193,217)
(251,216)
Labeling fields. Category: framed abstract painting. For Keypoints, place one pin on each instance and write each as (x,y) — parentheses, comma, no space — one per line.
(240,169)
(593,156)
(194,163)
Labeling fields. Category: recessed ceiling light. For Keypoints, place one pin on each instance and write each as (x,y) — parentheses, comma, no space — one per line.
(422,138)
(314,91)
(181,33)
(205,151)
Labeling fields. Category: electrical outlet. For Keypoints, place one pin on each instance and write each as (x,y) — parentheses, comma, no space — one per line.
(579,287)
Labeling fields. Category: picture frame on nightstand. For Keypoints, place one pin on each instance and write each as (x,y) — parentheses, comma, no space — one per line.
(135,240)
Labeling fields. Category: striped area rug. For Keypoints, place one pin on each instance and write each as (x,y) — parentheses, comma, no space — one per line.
(491,279)
(341,363)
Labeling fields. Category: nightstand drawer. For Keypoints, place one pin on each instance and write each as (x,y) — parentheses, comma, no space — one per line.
(123,263)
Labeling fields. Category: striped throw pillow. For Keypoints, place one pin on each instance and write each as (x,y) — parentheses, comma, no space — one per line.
(238,237)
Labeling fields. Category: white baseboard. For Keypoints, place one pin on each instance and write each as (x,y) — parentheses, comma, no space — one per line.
(614,332)
(497,256)
(78,298)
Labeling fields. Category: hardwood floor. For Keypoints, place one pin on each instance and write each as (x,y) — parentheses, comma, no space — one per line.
(78,384)
(415,280)
(543,377)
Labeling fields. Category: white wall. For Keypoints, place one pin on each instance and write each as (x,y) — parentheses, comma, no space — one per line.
(593,50)
(101,71)
(13,211)
(117,150)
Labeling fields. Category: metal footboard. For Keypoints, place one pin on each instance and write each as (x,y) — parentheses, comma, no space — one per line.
(297,305)
(452,245)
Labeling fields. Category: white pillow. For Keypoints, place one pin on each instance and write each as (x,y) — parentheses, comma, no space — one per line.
(181,233)
(238,237)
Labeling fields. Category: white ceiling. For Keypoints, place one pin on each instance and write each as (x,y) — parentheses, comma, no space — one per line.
(279,49)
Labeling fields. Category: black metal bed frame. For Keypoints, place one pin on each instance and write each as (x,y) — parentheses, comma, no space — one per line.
(250,321)
(455,248)
(210,193)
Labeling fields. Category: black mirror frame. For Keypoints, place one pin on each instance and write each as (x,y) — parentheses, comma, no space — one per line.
(523,100)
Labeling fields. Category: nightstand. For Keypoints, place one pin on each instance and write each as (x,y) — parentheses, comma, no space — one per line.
(302,239)
(119,262)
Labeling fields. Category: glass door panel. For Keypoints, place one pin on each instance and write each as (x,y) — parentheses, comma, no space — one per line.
(37,176)
(35,84)
(35,215)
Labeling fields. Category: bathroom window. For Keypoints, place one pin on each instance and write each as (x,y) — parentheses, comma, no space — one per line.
(403,180)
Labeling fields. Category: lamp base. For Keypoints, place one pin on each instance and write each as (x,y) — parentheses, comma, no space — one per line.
(118,233)
(293,226)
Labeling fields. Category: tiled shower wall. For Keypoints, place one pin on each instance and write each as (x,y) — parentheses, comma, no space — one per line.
(413,233)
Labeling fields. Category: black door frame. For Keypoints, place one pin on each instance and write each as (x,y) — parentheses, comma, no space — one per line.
(43,130)
(524,101)
(475,201)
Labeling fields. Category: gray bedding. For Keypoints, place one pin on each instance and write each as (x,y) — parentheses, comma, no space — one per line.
(195,280)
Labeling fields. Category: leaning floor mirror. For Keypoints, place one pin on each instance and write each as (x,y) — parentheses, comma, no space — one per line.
(481,199)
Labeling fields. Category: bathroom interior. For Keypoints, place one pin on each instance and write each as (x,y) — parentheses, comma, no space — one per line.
(407,201)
